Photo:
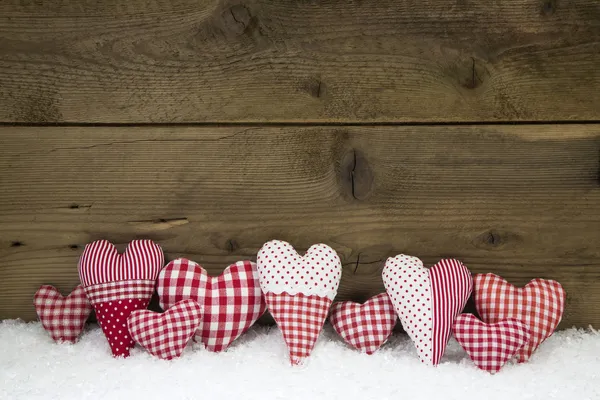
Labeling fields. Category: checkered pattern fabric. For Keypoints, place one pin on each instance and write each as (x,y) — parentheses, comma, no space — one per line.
(166,335)
(231,302)
(490,346)
(301,319)
(62,317)
(539,304)
(366,326)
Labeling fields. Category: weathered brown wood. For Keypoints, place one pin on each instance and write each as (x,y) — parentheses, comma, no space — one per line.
(299,61)
(521,201)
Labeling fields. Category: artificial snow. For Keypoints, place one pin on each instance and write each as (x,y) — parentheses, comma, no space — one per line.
(32,366)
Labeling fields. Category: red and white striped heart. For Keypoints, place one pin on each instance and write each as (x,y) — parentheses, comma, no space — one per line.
(232,301)
(367,326)
(427,300)
(117,284)
(166,335)
(299,291)
(490,346)
(62,317)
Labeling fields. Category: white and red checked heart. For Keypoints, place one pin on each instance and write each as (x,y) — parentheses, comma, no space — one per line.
(540,305)
(367,326)
(62,317)
(490,346)
(231,302)
(299,291)
(117,284)
(166,335)
(427,300)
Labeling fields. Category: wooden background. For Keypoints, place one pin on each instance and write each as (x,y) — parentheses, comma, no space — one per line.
(436,128)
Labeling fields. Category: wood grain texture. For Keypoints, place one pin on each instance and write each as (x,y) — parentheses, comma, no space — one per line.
(520,201)
(262,61)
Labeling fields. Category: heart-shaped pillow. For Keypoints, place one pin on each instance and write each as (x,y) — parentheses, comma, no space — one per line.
(299,291)
(232,301)
(490,346)
(366,326)
(117,284)
(540,305)
(427,300)
(165,335)
(62,317)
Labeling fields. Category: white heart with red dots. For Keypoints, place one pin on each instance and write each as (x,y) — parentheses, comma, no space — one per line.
(281,269)
(407,283)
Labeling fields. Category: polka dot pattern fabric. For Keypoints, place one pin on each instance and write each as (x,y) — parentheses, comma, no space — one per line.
(112,318)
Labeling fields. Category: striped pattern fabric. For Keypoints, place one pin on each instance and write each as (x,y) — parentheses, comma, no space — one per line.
(540,305)
(101,262)
(301,319)
(451,287)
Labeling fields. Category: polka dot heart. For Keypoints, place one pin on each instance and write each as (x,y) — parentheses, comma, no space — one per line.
(427,301)
(299,291)
(112,319)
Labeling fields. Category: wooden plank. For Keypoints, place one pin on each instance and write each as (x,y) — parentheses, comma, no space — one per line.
(261,61)
(521,201)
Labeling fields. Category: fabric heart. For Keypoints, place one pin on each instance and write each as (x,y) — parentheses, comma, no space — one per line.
(232,301)
(540,305)
(299,291)
(427,301)
(117,284)
(490,346)
(166,335)
(366,326)
(62,317)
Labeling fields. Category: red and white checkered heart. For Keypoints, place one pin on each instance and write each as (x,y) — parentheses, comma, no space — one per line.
(117,284)
(166,335)
(490,346)
(540,305)
(427,301)
(232,301)
(299,291)
(62,317)
(366,326)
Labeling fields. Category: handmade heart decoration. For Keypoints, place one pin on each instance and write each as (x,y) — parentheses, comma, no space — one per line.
(367,326)
(232,301)
(299,291)
(490,346)
(166,335)
(540,305)
(117,284)
(62,317)
(427,301)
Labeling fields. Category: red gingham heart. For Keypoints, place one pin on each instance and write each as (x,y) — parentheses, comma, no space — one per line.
(117,284)
(490,346)
(427,301)
(299,291)
(63,317)
(366,326)
(166,335)
(232,301)
(539,304)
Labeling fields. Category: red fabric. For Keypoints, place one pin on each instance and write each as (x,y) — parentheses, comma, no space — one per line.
(117,284)
(62,317)
(231,302)
(166,335)
(366,326)
(490,346)
(539,304)
(301,319)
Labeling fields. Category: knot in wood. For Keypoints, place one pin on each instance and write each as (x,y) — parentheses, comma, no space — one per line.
(357,176)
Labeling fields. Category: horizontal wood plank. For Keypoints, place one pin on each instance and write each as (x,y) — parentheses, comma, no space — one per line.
(520,201)
(261,61)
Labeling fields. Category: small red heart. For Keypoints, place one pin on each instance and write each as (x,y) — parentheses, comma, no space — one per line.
(63,317)
(366,326)
(490,346)
(539,304)
(165,335)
